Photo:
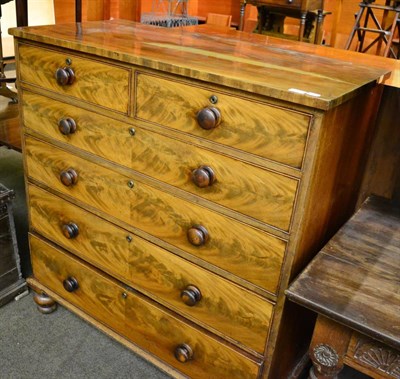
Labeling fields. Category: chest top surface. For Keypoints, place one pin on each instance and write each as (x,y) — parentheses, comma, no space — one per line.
(244,63)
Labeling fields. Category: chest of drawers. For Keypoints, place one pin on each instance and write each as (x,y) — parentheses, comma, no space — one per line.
(177,182)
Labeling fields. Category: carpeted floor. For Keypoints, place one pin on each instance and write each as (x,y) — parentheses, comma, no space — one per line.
(60,345)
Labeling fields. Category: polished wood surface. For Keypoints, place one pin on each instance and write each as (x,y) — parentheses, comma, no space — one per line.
(104,84)
(328,84)
(263,129)
(391,66)
(354,279)
(143,322)
(161,214)
(275,192)
(151,269)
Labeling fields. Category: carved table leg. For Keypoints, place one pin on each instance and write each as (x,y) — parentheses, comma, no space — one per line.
(328,348)
(45,304)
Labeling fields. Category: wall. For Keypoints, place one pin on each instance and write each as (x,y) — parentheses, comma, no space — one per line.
(40,12)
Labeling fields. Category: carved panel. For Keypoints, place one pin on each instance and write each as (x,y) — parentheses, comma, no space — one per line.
(378,356)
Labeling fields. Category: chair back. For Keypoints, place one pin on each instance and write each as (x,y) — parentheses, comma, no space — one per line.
(219,19)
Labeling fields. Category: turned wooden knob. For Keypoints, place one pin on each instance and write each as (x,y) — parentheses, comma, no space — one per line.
(191,295)
(70,230)
(65,76)
(183,353)
(69,177)
(209,118)
(197,235)
(70,284)
(203,176)
(67,126)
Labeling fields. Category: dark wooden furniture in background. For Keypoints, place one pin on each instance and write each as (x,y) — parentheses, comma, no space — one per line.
(302,9)
(11,282)
(353,284)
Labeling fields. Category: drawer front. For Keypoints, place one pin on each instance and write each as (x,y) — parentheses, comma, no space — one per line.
(95,82)
(258,193)
(247,252)
(142,322)
(269,131)
(191,290)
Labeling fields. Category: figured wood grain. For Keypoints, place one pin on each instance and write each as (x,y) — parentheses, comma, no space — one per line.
(160,335)
(147,267)
(242,250)
(98,83)
(242,64)
(354,279)
(96,294)
(139,320)
(259,128)
(264,195)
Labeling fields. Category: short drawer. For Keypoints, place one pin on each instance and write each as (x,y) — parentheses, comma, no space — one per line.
(261,194)
(94,82)
(245,251)
(141,321)
(189,289)
(269,131)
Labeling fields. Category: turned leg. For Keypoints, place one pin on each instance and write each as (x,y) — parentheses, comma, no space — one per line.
(328,348)
(45,304)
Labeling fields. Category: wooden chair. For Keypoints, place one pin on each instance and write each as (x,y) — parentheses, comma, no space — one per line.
(219,19)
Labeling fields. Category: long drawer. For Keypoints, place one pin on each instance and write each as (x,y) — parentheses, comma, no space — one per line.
(272,132)
(95,82)
(247,252)
(141,321)
(189,289)
(255,192)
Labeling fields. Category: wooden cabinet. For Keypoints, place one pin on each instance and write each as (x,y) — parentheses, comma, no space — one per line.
(176,186)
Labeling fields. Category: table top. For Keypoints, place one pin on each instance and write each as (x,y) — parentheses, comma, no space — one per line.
(241,61)
(355,278)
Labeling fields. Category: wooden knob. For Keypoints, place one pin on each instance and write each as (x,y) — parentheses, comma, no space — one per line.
(203,176)
(191,295)
(197,235)
(70,284)
(65,76)
(70,230)
(209,118)
(67,126)
(69,177)
(183,353)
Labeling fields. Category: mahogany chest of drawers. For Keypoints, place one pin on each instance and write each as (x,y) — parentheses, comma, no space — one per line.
(177,182)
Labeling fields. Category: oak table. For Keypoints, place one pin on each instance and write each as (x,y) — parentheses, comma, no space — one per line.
(353,284)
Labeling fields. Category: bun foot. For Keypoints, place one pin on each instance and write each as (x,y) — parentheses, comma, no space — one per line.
(44,303)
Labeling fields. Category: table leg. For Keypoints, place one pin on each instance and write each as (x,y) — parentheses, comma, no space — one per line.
(242,11)
(328,348)
(21,7)
(302,25)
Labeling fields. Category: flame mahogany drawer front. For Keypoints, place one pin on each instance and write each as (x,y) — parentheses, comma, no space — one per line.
(190,289)
(197,230)
(149,326)
(262,129)
(69,75)
(269,197)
